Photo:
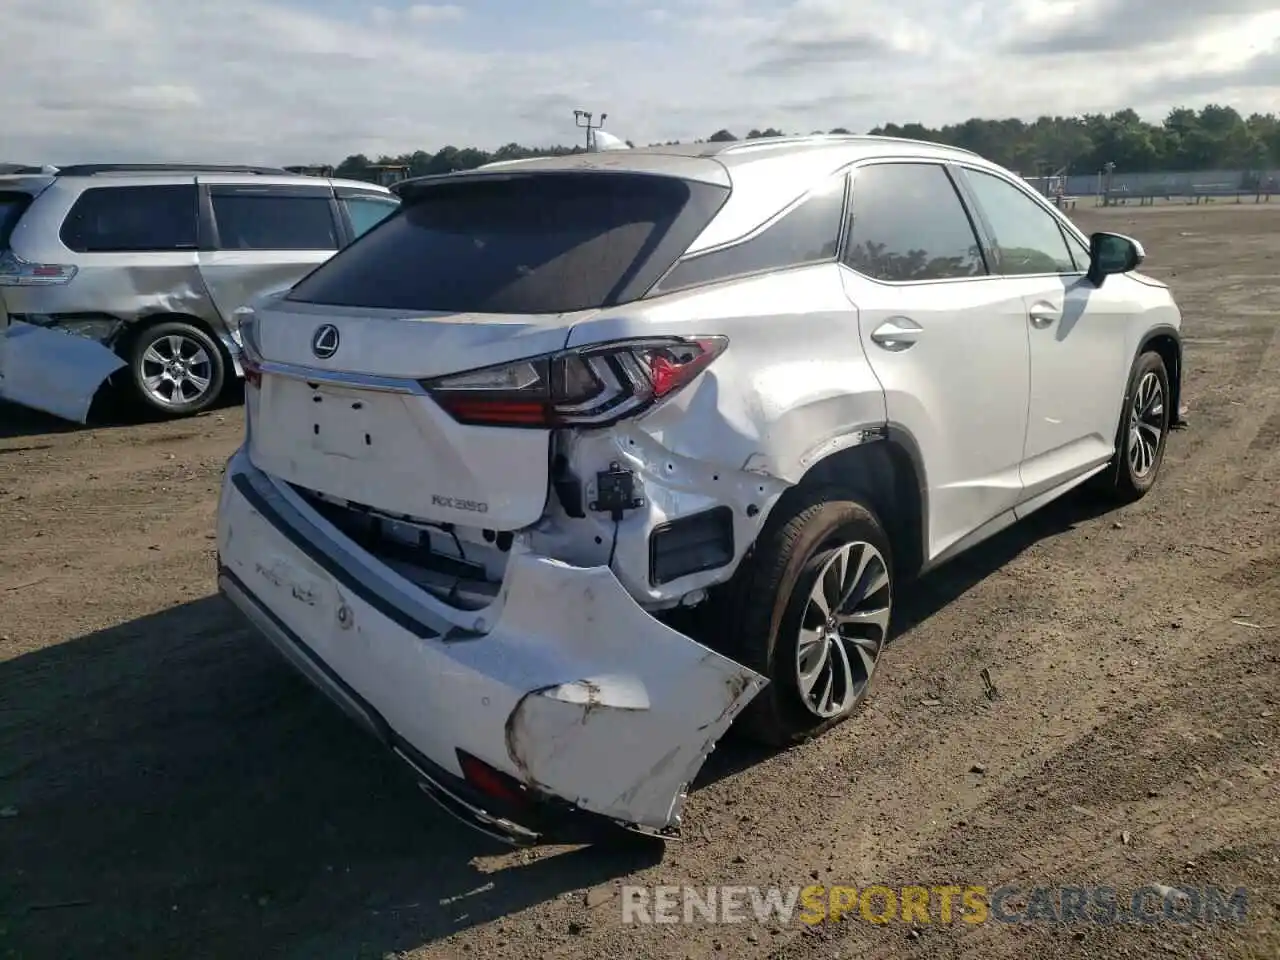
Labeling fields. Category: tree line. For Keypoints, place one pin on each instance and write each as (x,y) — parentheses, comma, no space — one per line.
(1215,137)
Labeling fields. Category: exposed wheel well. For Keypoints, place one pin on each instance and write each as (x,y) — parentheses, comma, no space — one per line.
(886,473)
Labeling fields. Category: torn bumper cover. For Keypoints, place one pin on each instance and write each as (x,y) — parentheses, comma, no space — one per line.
(562,704)
(53,371)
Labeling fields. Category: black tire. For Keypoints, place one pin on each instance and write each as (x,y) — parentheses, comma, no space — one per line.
(769,597)
(1123,481)
(212,367)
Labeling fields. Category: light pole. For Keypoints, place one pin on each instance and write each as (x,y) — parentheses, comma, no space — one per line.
(583,119)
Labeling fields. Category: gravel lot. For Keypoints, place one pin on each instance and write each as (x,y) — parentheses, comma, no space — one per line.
(169,789)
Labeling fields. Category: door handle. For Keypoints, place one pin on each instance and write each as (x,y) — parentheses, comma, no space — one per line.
(1043,315)
(897,334)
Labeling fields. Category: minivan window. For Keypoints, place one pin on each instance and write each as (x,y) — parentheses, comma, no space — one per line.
(12,206)
(132,219)
(808,233)
(263,221)
(1027,238)
(367,212)
(525,244)
(907,224)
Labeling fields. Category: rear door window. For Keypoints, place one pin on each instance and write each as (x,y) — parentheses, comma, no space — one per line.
(519,243)
(367,212)
(132,219)
(907,225)
(12,207)
(264,218)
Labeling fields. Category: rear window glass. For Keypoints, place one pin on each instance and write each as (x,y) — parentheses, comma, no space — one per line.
(128,219)
(12,206)
(540,243)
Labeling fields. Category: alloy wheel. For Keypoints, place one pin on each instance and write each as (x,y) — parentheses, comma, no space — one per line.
(1146,425)
(176,370)
(843,629)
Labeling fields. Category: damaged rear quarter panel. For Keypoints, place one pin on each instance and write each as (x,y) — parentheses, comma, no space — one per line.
(793,386)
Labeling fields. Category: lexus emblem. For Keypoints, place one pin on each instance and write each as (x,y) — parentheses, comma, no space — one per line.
(324,343)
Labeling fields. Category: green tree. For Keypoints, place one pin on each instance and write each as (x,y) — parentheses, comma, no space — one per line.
(1214,136)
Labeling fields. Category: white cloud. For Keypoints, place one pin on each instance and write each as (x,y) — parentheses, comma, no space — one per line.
(435,13)
(279,82)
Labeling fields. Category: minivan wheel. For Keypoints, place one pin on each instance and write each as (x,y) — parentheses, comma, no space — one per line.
(177,369)
(1143,430)
(813,614)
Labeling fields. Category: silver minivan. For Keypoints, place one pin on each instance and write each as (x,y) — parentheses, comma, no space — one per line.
(135,271)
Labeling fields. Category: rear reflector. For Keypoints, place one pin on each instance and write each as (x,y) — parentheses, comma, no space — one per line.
(692,544)
(491,781)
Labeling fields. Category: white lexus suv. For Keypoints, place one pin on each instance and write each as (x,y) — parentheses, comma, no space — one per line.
(496,446)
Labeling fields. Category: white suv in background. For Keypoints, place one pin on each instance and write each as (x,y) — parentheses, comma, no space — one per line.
(496,444)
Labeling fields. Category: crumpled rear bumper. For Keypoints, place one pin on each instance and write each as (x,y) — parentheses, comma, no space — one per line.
(574,704)
(53,371)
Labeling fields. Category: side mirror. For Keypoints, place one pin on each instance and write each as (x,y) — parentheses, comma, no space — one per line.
(1113,253)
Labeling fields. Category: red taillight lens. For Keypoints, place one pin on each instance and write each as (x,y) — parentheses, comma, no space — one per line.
(252,372)
(245,319)
(491,781)
(595,386)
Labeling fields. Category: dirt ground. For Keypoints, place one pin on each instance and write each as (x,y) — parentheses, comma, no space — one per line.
(169,789)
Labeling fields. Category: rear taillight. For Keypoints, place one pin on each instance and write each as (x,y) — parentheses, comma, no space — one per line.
(594,386)
(16,272)
(491,781)
(252,371)
(242,332)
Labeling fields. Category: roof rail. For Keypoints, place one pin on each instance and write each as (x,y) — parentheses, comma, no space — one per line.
(755,143)
(759,143)
(24,169)
(94,169)
(926,143)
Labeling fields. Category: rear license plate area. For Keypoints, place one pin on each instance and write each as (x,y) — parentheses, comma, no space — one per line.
(337,421)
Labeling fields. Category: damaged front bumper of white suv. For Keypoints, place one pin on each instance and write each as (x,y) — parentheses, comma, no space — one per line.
(560,705)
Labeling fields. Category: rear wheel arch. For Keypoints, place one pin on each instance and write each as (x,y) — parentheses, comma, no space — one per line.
(135,329)
(889,474)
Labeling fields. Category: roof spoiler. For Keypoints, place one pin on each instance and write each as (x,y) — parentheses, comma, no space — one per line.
(27,169)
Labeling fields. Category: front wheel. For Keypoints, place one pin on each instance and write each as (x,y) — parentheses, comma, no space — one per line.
(1143,430)
(176,368)
(815,602)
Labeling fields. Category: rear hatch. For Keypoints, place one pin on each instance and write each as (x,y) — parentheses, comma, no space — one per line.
(355,390)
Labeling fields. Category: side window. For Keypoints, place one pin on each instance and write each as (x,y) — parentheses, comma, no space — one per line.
(808,233)
(132,219)
(367,212)
(256,220)
(1079,252)
(1027,237)
(907,224)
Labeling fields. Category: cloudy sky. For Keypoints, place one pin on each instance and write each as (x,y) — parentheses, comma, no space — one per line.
(301,81)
